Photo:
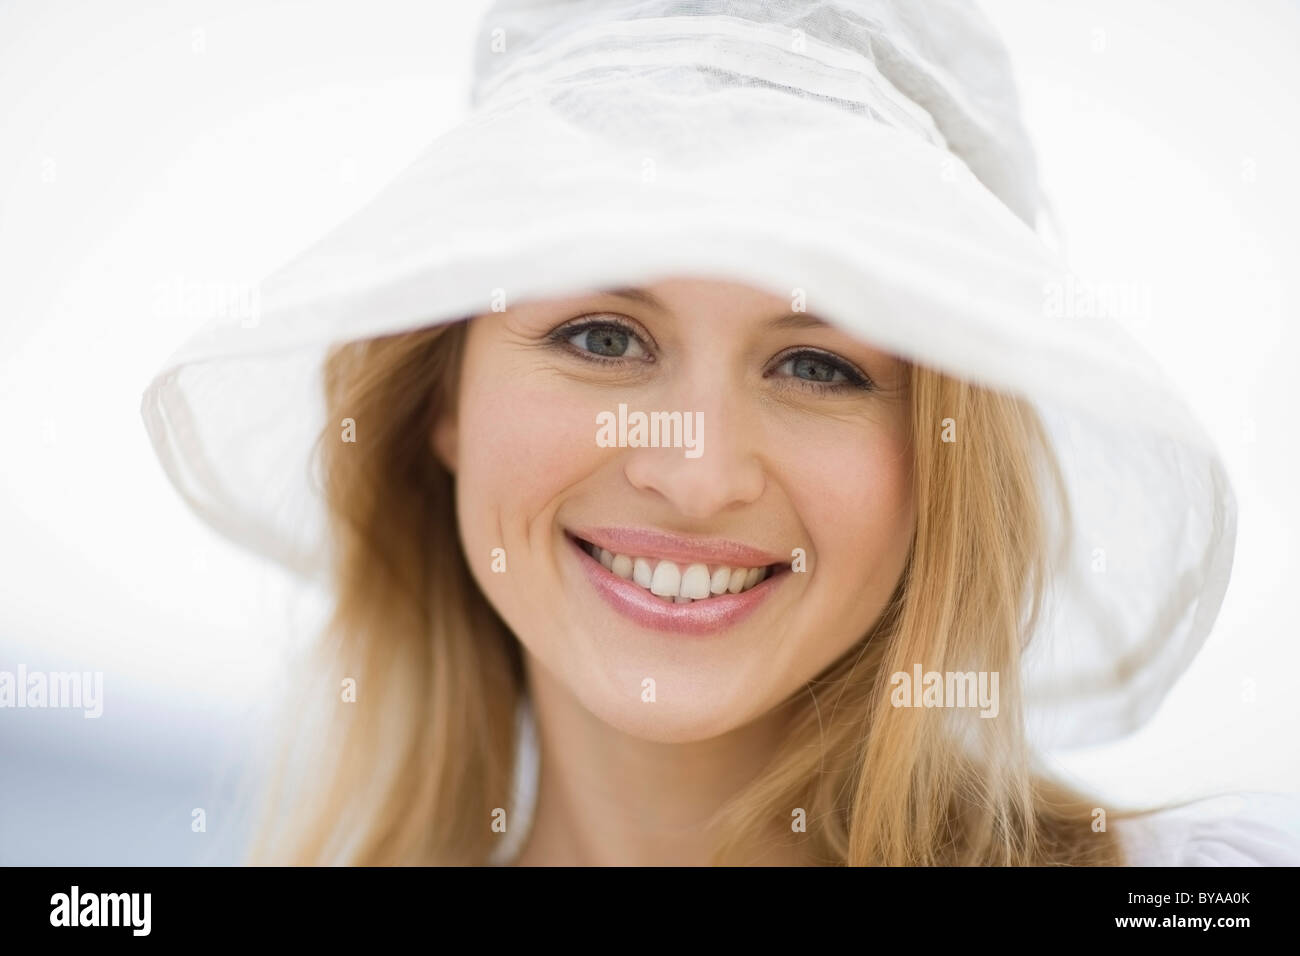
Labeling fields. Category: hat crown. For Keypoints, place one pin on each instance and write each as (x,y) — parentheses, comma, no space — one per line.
(937,71)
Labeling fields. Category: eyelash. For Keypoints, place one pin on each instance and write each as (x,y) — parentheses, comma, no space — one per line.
(560,339)
(855,379)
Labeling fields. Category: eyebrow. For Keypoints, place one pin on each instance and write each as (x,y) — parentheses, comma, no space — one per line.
(799,320)
(791,321)
(637,294)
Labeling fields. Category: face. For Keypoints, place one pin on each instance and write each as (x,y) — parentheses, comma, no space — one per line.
(776,504)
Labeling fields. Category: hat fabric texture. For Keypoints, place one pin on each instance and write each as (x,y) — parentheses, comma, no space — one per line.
(865,154)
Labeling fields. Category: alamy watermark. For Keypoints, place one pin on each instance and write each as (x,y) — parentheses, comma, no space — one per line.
(54,689)
(626,429)
(946,689)
(1075,298)
(76,908)
(227,302)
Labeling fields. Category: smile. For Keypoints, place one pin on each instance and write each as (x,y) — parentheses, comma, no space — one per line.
(671,584)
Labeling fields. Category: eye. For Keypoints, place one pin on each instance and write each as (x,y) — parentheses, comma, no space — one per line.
(821,371)
(602,340)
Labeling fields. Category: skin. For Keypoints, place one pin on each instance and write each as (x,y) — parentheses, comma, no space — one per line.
(787,464)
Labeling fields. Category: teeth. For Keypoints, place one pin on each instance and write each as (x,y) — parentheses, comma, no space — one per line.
(674,583)
(721,578)
(642,572)
(622,566)
(695,582)
(667,581)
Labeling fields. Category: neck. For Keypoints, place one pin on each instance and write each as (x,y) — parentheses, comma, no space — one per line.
(606,798)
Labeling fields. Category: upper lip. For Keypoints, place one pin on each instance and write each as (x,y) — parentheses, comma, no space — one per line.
(681,549)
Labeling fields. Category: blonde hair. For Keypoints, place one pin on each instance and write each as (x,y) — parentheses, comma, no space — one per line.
(411,772)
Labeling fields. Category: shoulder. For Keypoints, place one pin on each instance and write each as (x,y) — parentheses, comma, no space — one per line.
(1246,829)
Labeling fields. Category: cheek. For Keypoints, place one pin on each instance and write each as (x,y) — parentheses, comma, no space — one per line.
(524,439)
(855,502)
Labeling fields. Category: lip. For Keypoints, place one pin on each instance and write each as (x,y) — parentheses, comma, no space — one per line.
(677,548)
(709,616)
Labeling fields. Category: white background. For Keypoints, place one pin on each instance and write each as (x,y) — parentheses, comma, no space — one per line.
(144,146)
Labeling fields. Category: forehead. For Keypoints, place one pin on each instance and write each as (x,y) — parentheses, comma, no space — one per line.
(720,301)
(679,294)
(726,301)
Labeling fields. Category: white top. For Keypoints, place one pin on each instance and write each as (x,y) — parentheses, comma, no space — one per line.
(519,815)
(1245,829)
(1241,829)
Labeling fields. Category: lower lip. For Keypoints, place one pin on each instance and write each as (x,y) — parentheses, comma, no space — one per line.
(706,616)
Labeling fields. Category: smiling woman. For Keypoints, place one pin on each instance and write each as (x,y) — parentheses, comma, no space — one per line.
(792,462)
(681,734)
(570,649)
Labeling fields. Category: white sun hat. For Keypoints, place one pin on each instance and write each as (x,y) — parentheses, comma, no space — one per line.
(866,155)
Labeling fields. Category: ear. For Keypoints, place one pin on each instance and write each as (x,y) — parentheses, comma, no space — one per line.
(446,436)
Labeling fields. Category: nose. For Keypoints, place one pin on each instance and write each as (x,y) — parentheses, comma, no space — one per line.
(727,474)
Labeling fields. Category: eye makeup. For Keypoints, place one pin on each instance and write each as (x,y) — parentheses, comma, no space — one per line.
(605,333)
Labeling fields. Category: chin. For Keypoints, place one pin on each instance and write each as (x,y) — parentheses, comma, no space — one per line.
(686,708)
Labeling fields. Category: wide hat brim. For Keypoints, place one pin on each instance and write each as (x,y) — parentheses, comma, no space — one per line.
(887,235)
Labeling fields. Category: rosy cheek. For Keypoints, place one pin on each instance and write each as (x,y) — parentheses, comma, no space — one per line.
(856,507)
(526,438)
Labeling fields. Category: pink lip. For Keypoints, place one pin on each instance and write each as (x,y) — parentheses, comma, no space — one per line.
(651,611)
(679,549)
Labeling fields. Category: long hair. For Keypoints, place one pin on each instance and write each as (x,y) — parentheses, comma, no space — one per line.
(410,768)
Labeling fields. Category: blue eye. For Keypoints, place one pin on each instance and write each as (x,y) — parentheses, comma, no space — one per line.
(814,369)
(608,341)
(822,371)
(602,340)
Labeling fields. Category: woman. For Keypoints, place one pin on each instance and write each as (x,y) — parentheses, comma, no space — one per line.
(700,471)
